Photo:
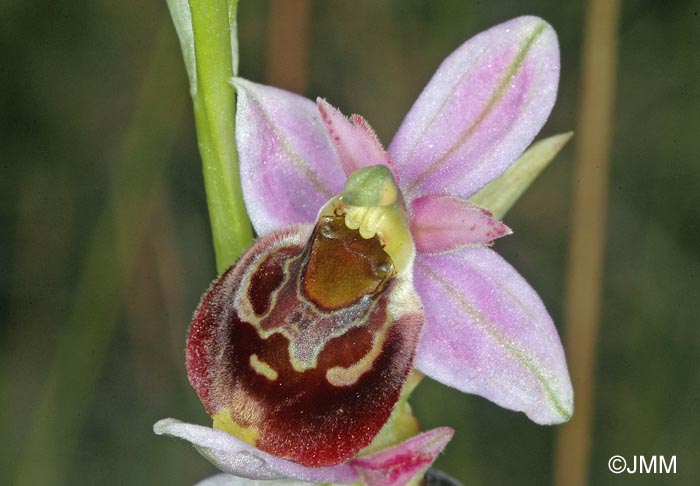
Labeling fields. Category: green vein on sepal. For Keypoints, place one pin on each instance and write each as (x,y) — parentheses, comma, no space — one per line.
(513,349)
(496,97)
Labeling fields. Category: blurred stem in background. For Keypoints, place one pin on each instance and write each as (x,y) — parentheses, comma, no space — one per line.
(108,262)
(288,45)
(211,58)
(584,281)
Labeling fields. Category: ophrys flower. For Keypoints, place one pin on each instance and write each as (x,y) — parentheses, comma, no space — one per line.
(486,331)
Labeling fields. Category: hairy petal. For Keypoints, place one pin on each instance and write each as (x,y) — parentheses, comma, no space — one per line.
(354,140)
(441,223)
(487,332)
(399,464)
(288,166)
(236,457)
(481,109)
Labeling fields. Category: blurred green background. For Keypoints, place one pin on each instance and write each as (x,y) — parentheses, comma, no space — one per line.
(106,245)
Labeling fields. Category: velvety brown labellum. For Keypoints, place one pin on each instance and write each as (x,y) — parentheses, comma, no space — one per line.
(303,346)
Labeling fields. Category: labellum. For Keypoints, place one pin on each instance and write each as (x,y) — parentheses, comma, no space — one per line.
(302,347)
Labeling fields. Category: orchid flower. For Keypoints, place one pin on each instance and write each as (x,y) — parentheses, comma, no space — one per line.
(371,262)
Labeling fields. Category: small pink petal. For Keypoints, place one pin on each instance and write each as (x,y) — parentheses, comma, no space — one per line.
(287,163)
(487,332)
(442,223)
(239,458)
(399,464)
(481,109)
(354,140)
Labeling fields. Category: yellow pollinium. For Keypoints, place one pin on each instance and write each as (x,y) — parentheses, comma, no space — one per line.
(371,203)
(390,225)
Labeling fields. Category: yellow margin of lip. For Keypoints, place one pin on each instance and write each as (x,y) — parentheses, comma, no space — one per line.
(223,421)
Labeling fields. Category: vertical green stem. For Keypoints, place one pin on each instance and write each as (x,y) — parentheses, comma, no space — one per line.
(213,22)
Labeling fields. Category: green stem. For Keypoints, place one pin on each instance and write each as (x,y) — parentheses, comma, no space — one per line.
(213,22)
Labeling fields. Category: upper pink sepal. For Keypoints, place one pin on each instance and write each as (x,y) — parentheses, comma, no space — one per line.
(481,109)
(354,140)
(398,465)
(239,458)
(288,166)
(442,223)
(487,332)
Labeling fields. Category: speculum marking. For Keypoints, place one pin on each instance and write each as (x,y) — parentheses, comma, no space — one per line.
(342,266)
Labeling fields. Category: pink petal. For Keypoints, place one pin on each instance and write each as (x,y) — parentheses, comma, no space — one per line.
(288,166)
(442,223)
(354,140)
(239,458)
(482,108)
(487,332)
(399,464)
